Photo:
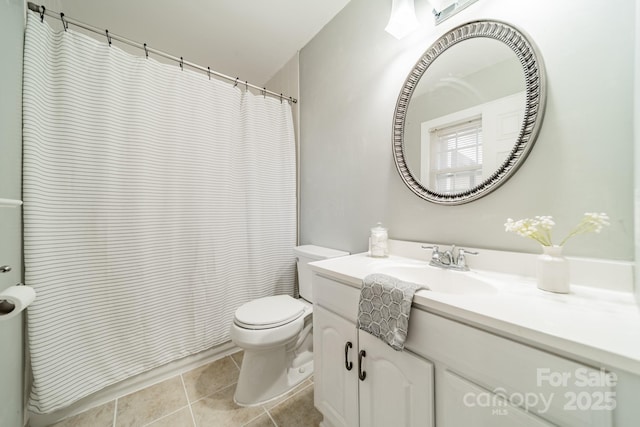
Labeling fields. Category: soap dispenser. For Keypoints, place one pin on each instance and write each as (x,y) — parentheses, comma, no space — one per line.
(378,245)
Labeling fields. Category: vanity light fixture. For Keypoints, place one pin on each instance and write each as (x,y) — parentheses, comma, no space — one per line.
(403,18)
(444,9)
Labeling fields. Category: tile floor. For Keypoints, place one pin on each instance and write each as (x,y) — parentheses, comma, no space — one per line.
(202,397)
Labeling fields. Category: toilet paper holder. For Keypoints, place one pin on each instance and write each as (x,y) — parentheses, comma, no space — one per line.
(5,306)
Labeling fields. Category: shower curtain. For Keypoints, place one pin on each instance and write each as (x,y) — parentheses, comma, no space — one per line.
(156,201)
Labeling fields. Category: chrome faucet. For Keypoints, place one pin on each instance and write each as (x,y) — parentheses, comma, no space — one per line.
(447,259)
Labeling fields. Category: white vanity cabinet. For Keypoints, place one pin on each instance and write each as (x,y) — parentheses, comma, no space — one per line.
(496,381)
(463,403)
(335,370)
(359,380)
(452,374)
(397,389)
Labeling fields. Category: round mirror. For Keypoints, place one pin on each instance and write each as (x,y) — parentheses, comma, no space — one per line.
(468,113)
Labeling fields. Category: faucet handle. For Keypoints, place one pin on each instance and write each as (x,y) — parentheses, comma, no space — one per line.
(463,251)
(435,254)
(435,249)
(462,261)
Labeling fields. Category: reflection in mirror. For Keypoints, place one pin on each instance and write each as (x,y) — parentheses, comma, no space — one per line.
(470,115)
(464,115)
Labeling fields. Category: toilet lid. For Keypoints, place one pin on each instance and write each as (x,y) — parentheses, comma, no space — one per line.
(268,312)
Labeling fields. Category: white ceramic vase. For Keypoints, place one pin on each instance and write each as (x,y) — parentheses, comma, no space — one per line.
(553,270)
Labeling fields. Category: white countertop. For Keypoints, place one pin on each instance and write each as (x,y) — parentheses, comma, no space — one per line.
(596,326)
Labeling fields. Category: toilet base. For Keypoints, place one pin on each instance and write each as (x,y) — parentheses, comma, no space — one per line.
(268,374)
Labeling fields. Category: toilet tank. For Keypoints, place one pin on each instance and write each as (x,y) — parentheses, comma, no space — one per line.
(306,254)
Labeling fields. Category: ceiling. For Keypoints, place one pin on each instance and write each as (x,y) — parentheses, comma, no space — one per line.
(250,39)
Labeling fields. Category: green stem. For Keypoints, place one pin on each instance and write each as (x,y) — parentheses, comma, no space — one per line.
(541,240)
(580,228)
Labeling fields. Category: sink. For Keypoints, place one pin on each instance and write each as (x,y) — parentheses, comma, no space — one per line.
(439,279)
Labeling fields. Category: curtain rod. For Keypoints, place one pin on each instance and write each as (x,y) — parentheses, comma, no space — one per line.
(66,21)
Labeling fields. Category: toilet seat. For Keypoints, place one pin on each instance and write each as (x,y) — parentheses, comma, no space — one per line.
(268,312)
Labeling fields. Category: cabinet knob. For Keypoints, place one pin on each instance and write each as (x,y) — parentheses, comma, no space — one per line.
(361,374)
(348,365)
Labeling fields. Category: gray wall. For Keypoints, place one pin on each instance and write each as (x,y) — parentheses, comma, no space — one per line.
(350,76)
(11,331)
(637,151)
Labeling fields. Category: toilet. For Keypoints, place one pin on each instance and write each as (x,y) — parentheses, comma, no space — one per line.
(275,333)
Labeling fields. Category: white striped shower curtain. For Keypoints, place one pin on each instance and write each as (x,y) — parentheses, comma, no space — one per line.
(156,202)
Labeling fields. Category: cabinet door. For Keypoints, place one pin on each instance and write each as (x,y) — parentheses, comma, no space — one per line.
(560,391)
(397,389)
(335,386)
(463,403)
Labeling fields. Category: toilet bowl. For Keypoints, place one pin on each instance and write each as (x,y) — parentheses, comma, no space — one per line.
(275,333)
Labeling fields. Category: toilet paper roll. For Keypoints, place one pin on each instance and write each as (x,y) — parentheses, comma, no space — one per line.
(14,299)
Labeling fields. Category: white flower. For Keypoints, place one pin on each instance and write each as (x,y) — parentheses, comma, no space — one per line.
(546,222)
(596,221)
(591,222)
(539,228)
(536,228)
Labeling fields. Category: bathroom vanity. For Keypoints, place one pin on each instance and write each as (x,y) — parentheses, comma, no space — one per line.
(485,347)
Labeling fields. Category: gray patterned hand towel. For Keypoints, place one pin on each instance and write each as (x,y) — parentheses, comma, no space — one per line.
(385,304)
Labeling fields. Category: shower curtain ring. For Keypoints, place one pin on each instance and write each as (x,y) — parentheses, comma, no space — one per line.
(181,63)
(64,23)
(246,86)
(236,83)
(108,37)
(209,72)
(146,52)
(280,98)
(42,13)
(264,92)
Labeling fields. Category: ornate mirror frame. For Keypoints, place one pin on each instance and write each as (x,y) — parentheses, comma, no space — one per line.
(533,69)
